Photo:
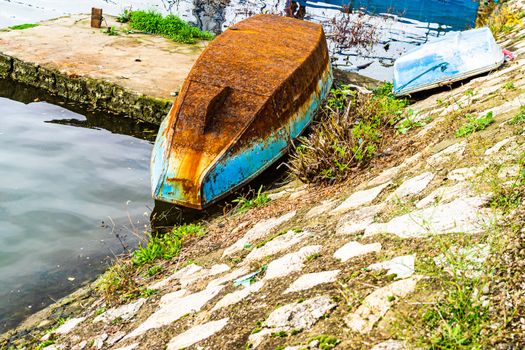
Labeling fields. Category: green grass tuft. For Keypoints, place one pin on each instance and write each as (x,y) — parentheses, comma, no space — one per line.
(326,342)
(125,16)
(118,282)
(171,27)
(519,117)
(111,31)
(24,26)
(245,203)
(410,122)
(166,246)
(474,124)
(45,344)
(152,271)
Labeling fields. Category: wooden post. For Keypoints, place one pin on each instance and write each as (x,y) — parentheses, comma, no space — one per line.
(96,17)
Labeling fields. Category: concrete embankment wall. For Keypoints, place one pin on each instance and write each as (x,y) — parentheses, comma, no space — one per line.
(98,93)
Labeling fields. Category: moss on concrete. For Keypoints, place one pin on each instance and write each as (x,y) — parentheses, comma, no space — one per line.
(85,90)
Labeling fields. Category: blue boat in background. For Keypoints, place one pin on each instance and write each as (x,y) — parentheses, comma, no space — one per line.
(453,57)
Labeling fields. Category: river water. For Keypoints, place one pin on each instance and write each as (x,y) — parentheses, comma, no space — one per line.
(70,181)
(67,187)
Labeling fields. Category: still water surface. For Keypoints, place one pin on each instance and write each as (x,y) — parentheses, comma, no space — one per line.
(62,187)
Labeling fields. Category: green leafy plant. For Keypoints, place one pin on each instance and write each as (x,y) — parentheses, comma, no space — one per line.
(507,199)
(326,342)
(152,271)
(509,86)
(251,200)
(24,26)
(410,122)
(171,27)
(145,293)
(502,20)
(474,124)
(111,31)
(469,92)
(125,16)
(519,117)
(279,334)
(456,321)
(45,344)
(166,246)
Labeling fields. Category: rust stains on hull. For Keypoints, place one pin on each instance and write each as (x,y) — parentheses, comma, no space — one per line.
(247,88)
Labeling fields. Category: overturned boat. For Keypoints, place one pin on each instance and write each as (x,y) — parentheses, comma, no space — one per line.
(252,91)
(454,57)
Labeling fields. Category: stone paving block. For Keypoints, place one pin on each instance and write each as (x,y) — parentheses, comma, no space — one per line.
(196,334)
(460,215)
(184,272)
(276,245)
(124,312)
(509,172)
(402,266)
(358,220)
(260,230)
(444,194)
(289,263)
(202,274)
(322,208)
(353,249)
(294,316)
(358,199)
(390,345)
(238,295)
(412,186)
(386,176)
(69,325)
(229,276)
(499,145)
(310,280)
(376,305)
(448,153)
(173,306)
(463,174)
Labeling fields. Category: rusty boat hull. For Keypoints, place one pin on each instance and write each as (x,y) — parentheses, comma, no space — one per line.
(253,90)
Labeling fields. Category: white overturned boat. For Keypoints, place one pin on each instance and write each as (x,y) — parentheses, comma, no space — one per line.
(454,57)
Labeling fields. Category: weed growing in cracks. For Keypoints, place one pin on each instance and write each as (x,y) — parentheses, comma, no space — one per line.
(245,203)
(474,124)
(519,117)
(166,246)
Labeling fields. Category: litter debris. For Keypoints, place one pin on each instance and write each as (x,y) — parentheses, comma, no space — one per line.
(247,280)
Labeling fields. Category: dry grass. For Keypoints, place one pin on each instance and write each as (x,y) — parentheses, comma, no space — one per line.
(351,130)
(501,20)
